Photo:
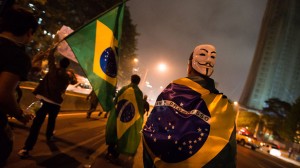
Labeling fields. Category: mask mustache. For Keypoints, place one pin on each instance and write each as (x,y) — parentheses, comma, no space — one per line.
(206,64)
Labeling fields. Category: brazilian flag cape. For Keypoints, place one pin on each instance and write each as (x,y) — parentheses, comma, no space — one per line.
(125,121)
(190,127)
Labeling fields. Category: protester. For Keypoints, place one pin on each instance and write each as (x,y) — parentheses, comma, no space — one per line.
(49,91)
(146,105)
(101,111)
(290,151)
(17,26)
(93,103)
(105,115)
(125,122)
(192,124)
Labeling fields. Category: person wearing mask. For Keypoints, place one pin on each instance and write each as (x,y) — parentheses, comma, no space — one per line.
(17,26)
(192,124)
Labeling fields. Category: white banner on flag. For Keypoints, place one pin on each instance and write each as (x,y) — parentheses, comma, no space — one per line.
(63,47)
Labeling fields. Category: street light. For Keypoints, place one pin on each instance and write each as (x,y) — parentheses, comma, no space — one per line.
(148,84)
(162,67)
(144,70)
(236,104)
(135,60)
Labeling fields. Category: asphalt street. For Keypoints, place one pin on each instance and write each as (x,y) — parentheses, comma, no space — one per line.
(80,142)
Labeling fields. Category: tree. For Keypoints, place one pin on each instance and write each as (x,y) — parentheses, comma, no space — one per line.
(127,53)
(248,120)
(275,115)
(56,13)
(293,122)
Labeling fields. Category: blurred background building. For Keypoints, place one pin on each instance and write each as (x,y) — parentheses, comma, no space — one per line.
(275,70)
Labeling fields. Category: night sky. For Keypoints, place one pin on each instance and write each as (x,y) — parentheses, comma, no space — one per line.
(170,29)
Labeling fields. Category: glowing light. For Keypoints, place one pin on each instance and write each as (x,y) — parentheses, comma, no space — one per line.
(135,69)
(275,152)
(40,20)
(31,6)
(162,67)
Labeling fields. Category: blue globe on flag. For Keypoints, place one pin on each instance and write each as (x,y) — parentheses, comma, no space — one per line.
(126,110)
(108,62)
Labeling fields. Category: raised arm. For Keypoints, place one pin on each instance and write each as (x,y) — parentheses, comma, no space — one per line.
(51,59)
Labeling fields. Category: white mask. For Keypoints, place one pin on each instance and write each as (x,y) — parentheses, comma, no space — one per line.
(204,59)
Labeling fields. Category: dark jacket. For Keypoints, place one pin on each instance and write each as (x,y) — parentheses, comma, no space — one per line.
(55,82)
(146,105)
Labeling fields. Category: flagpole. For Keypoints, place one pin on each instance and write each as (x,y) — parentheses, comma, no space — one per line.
(101,14)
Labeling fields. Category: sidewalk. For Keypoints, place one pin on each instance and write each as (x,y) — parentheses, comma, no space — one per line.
(284,156)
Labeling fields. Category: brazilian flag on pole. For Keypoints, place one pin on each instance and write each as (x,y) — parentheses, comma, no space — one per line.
(125,121)
(95,46)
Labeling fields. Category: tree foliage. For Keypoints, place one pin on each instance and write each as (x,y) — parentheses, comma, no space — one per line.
(275,117)
(276,107)
(293,122)
(247,120)
(56,13)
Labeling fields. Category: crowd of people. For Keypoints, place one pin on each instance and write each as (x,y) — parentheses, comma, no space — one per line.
(191,121)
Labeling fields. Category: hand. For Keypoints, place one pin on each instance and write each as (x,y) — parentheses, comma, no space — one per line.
(25,118)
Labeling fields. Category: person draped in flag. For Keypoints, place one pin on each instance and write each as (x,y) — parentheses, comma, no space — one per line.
(125,121)
(192,124)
